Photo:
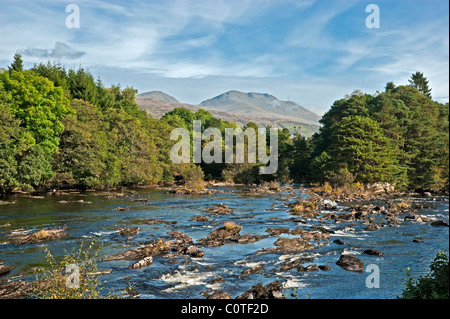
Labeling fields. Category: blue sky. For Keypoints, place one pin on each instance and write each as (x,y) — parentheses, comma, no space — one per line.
(309,51)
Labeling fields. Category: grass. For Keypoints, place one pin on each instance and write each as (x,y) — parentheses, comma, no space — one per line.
(232,227)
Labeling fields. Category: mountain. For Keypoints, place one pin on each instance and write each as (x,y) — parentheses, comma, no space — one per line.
(159,96)
(234,106)
(260,105)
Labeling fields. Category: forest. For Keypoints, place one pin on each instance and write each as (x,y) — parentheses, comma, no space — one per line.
(63,128)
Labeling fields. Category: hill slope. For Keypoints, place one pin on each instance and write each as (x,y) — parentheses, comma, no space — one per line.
(239,107)
(260,105)
(159,96)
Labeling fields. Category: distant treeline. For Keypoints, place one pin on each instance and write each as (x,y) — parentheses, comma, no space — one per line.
(62,128)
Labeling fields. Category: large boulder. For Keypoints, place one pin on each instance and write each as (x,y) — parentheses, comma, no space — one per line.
(380,188)
(228,233)
(221,209)
(270,291)
(292,245)
(44,235)
(439,223)
(351,263)
(154,248)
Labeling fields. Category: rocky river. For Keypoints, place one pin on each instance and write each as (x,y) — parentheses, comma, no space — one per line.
(232,242)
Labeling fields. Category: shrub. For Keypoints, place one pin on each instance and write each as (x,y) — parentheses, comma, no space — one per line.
(52,283)
(434,285)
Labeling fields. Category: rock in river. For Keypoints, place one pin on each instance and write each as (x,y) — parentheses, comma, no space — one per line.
(43,235)
(228,233)
(269,291)
(292,245)
(154,248)
(128,231)
(439,223)
(373,252)
(144,262)
(351,263)
(216,294)
(5,269)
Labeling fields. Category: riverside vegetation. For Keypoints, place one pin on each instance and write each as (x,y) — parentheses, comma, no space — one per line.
(62,128)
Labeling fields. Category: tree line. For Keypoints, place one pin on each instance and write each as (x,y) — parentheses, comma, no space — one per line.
(62,128)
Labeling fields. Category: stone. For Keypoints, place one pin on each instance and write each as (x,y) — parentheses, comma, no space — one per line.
(155,221)
(373,252)
(216,294)
(439,223)
(144,262)
(128,231)
(154,248)
(324,267)
(220,209)
(44,235)
(339,241)
(311,268)
(15,290)
(200,218)
(292,245)
(350,263)
(5,269)
(270,291)
(252,270)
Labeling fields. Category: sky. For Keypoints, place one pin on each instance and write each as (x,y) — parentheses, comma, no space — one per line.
(312,52)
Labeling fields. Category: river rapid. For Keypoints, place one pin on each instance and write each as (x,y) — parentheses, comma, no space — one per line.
(94,216)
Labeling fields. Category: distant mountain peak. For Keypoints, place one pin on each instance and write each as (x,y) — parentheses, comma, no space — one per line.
(261,105)
(159,95)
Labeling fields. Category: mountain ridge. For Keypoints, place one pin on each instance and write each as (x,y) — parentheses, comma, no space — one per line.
(241,107)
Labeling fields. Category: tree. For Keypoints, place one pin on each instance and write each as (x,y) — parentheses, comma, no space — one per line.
(389,87)
(423,145)
(80,159)
(420,82)
(17,64)
(360,145)
(39,105)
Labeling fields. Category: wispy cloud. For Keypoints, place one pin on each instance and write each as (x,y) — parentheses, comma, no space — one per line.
(59,52)
(285,47)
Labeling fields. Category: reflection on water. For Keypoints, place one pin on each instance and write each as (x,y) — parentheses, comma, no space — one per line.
(95,216)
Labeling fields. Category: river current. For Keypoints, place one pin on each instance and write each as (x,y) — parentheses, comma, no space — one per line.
(93,216)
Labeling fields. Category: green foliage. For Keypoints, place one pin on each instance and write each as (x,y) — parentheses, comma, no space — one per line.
(398,136)
(17,64)
(31,113)
(51,282)
(420,82)
(63,128)
(360,145)
(434,285)
(38,104)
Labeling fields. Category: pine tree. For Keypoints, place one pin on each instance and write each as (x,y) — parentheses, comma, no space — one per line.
(17,64)
(420,82)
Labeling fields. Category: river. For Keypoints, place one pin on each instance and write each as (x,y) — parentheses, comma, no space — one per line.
(93,216)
